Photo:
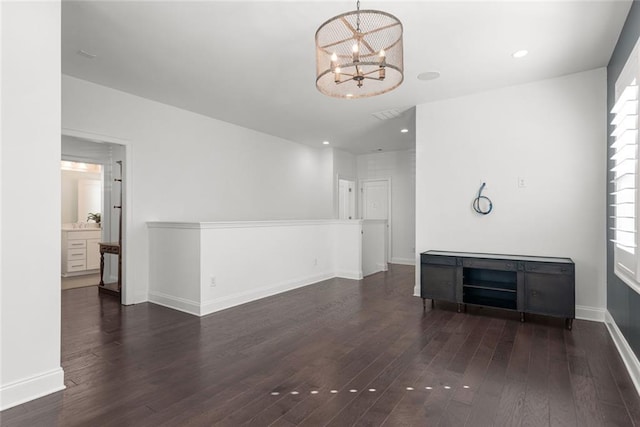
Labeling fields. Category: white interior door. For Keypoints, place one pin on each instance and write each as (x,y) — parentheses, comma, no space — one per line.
(346,199)
(376,204)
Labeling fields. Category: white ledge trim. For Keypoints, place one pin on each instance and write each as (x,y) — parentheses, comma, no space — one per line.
(250,224)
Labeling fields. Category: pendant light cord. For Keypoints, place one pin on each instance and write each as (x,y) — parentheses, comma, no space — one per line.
(358,16)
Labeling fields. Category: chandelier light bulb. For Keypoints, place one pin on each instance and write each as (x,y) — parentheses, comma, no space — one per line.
(334,61)
(356,55)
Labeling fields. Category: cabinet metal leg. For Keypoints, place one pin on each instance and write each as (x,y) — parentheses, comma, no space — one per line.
(569,323)
(459,308)
(522,316)
(424,303)
(433,303)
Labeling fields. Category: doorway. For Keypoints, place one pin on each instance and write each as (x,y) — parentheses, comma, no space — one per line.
(375,203)
(346,199)
(82,207)
(110,158)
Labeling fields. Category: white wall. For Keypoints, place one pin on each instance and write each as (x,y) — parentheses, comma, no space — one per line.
(400,167)
(30,220)
(188,167)
(551,134)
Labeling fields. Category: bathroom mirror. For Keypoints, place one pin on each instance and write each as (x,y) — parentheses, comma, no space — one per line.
(81,191)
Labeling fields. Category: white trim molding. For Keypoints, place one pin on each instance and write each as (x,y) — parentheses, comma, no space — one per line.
(628,356)
(353,275)
(211,306)
(176,303)
(403,261)
(590,313)
(27,389)
(247,224)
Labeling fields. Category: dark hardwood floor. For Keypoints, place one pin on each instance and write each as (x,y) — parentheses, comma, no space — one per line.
(338,353)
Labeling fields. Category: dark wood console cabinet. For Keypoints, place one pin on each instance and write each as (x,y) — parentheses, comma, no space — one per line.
(527,284)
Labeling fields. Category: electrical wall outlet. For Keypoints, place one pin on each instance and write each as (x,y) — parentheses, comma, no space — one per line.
(315,261)
(212,282)
(521,182)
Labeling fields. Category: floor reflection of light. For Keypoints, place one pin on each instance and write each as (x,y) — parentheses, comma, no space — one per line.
(371,390)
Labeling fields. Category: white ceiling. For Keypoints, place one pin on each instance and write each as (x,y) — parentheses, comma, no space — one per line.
(253,63)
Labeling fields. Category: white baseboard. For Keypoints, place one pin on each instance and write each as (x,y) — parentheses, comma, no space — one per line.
(176,303)
(628,356)
(590,313)
(403,261)
(212,306)
(353,275)
(22,391)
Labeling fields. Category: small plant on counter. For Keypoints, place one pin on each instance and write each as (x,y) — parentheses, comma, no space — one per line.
(94,217)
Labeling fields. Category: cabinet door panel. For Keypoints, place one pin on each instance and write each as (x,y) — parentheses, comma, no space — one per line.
(549,294)
(540,267)
(93,254)
(438,282)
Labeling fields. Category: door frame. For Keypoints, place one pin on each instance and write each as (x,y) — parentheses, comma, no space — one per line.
(127,297)
(361,183)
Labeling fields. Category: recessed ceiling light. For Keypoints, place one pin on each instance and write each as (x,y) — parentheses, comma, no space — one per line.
(325,142)
(428,75)
(520,53)
(404,130)
(349,95)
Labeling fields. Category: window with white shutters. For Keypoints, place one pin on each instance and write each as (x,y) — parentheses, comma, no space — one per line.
(624,161)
